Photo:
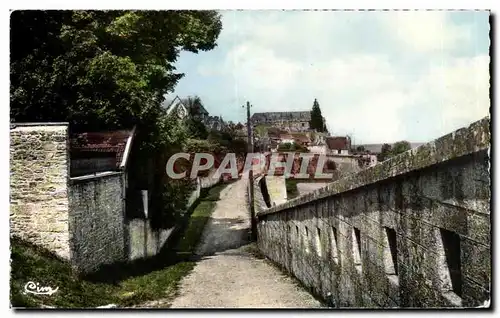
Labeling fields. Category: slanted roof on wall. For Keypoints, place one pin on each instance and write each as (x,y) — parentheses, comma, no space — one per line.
(93,144)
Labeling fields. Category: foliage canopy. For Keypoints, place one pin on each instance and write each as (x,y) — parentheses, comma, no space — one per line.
(101,69)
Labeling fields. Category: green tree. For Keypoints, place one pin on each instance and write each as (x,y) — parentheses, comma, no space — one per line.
(196,128)
(317,122)
(194,105)
(109,69)
(101,69)
(400,147)
(228,141)
(292,147)
(385,152)
(260,131)
(324,126)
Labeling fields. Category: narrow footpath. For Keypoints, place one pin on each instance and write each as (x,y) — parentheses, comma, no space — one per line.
(227,274)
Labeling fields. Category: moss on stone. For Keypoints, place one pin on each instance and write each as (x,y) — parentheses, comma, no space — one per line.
(464,141)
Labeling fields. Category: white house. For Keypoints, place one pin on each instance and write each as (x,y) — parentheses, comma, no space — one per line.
(337,145)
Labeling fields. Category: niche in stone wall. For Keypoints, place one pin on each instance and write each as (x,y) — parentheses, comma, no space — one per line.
(356,248)
(450,267)
(334,242)
(391,254)
(318,242)
(306,241)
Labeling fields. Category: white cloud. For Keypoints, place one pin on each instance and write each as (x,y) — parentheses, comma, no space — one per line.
(426,31)
(374,119)
(457,91)
(282,61)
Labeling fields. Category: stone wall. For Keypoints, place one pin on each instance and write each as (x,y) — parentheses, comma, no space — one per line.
(346,164)
(412,231)
(202,183)
(317,149)
(96,220)
(83,166)
(306,187)
(39,167)
(312,160)
(81,219)
(145,241)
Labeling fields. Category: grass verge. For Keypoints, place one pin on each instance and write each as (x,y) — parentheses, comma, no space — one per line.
(125,284)
(291,188)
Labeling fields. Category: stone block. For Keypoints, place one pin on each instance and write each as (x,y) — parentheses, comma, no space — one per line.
(442,185)
(476,262)
(473,294)
(479,227)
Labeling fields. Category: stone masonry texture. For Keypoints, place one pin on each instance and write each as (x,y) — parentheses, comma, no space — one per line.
(81,219)
(412,231)
(97,222)
(39,167)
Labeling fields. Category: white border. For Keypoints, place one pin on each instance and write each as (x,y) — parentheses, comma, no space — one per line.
(192,4)
(255,4)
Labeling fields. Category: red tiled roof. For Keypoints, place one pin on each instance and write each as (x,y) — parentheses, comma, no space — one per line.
(99,142)
(337,143)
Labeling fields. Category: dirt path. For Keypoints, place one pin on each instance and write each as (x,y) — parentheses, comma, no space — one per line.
(227,275)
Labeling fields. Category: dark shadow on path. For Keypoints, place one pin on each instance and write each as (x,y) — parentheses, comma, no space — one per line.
(224,234)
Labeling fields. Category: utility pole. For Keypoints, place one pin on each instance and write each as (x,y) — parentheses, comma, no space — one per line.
(250,177)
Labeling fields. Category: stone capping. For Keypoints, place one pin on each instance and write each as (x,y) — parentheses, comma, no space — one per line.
(464,141)
(14,125)
(91,177)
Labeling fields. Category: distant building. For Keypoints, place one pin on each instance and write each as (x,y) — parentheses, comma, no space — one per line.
(286,138)
(301,139)
(184,108)
(290,121)
(338,145)
(319,149)
(368,160)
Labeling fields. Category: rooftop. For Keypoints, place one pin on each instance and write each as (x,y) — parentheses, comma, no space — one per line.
(337,143)
(195,108)
(94,144)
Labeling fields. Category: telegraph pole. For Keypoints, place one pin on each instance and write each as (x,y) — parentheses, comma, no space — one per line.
(250,177)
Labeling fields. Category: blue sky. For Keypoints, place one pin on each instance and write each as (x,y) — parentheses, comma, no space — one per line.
(379,76)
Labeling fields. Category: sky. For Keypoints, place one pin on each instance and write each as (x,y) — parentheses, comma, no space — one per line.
(379,76)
